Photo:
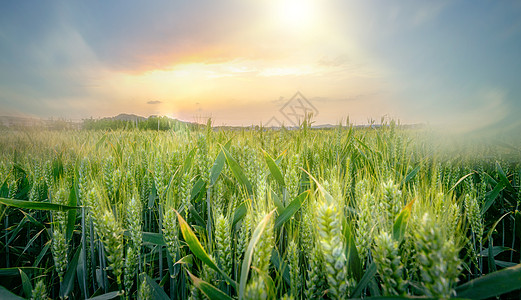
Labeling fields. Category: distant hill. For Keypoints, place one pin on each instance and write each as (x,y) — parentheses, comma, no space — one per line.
(127,117)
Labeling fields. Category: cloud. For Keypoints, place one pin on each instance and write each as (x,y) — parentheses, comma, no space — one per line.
(147,37)
(46,67)
(154,102)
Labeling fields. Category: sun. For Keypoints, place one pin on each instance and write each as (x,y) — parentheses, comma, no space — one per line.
(295,14)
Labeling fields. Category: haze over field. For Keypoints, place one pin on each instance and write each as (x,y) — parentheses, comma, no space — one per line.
(437,62)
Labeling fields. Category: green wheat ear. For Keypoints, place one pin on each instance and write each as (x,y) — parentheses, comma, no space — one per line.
(392,197)
(144,290)
(262,254)
(60,247)
(111,235)
(184,192)
(13,188)
(244,236)
(387,258)
(294,268)
(474,216)
(39,291)
(131,263)
(316,283)
(171,232)
(437,257)
(332,245)
(315,276)
(223,243)
(134,227)
(365,224)
(59,250)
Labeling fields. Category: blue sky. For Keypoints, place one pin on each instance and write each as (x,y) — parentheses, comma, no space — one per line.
(454,63)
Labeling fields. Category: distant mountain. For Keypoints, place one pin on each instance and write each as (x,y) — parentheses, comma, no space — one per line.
(127,117)
(177,120)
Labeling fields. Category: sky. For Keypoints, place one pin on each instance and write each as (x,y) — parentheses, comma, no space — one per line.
(240,62)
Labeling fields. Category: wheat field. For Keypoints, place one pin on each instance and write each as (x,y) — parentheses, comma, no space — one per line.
(197,213)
